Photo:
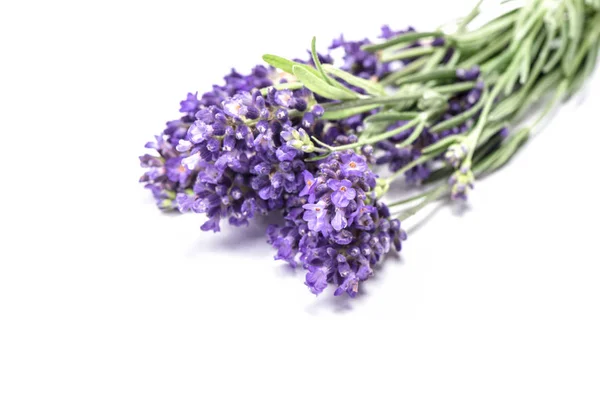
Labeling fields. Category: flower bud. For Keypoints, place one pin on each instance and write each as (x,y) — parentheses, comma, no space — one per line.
(456,153)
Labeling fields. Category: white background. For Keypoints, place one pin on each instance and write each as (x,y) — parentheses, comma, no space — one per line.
(102,296)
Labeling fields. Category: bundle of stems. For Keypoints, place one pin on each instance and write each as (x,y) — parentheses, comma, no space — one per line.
(530,58)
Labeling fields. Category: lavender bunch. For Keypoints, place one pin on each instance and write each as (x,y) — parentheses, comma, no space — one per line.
(435,109)
(166,175)
(339,230)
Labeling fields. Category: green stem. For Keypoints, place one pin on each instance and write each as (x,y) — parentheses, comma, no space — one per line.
(589,41)
(446,171)
(435,60)
(435,195)
(480,37)
(410,53)
(560,51)
(443,144)
(453,61)
(489,51)
(502,155)
(470,17)
(523,56)
(383,100)
(404,38)
(455,87)
(474,136)
(545,84)
(391,116)
(409,199)
(383,136)
(491,129)
(498,63)
(396,98)
(317,62)
(442,73)
(415,135)
(590,64)
(406,70)
(373,139)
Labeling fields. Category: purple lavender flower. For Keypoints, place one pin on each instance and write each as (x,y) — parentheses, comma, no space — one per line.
(316,216)
(284,98)
(343,192)
(176,171)
(388,33)
(461,182)
(353,164)
(338,240)
(190,104)
(468,74)
(309,186)
(316,279)
(240,105)
(186,202)
(349,286)
(339,221)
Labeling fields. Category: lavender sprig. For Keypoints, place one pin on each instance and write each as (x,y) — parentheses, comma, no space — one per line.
(166,175)
(341,231)
(427,105)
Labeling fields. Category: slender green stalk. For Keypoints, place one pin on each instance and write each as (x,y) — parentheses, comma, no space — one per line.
(435,74)
(404,38)
(538,53)
(406,70)
(470,17)
(433,196)
(408,199)
(379,137)
(484,55)
(407,54)
(396,98)
(414,135)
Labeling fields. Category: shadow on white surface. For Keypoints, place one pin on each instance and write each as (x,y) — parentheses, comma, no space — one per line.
(335,304)
(283,270)
(459,208)
(328,303)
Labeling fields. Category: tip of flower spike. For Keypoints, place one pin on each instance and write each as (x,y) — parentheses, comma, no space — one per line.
(318,110)
(211,225)
(471,74)
(456,153)
(190,104)
(166,204)
(461,181)
(316,279)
